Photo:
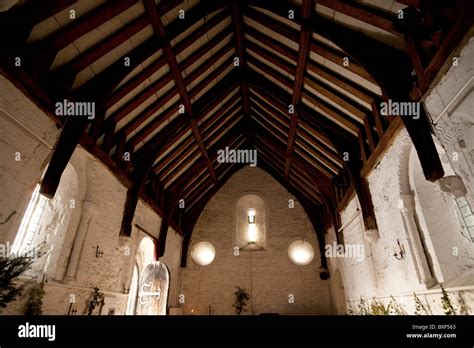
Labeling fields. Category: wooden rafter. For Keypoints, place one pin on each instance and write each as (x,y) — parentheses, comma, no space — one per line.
(304,149)
(305,33)
(237,21)
(178,78)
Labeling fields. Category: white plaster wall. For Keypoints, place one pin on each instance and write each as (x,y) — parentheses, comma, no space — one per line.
(100,199)
(455,128)
(268,276)
(19,178)
(441,227)
(449,252)
(380,273)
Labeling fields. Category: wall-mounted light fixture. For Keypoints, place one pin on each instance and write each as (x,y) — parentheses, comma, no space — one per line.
(301,252)
(125,290)
(252,228)
(99,252)
(203,253)
(72,309)
(251,216)
(400,253)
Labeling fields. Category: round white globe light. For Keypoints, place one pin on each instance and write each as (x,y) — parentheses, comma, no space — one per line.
(301,252)
(203,253)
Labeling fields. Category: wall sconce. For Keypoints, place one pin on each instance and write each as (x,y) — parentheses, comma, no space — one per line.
(203,253)
(72,309)
(252,228)
(125,290)
(251,216)
(99,252)
(400,254)
(210,310)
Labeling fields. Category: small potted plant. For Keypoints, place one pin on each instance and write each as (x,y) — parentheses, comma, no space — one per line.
(241,298)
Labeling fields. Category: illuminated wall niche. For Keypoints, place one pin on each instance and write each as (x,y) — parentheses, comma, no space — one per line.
(250,224)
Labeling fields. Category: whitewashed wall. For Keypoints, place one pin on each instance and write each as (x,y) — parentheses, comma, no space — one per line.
(450,254)
(95,220)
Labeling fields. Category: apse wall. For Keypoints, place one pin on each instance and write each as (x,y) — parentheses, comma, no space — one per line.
(268,276)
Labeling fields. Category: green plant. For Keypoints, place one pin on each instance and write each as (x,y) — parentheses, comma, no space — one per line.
(241,298)
(35,300)
(97,299)
(420,308)
(363,306)
(11,268)
(378,308)
(394,308)
(448,307)
(350,311)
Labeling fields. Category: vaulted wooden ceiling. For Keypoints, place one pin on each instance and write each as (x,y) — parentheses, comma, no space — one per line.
(175,81)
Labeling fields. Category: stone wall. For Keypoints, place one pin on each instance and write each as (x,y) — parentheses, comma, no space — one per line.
(93,220)
(401,194)
(268,276)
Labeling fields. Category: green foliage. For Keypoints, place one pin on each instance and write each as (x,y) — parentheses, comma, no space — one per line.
(35,300)
(11,268)
(394,308)
(447,304)
(378,308)
(350,311)
(364,308)
(241,298)
(420,308)
(97,299)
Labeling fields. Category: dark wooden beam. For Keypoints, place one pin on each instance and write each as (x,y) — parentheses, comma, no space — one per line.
(240,44)
(305,34)
(74,127)
(203,201)
(143,163)
(341,144)
(178,78)
(182,182)
(317,47)
(396,83)
(365,14)
(170,204)
(46,50)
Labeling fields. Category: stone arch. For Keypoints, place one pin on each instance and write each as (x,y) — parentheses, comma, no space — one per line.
(145,253)
(429,218)
(48,223)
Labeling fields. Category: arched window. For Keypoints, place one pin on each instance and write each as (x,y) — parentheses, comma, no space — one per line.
(29,228)
(45,224)
(250,224)
(434,220)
